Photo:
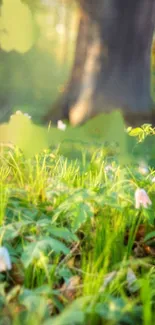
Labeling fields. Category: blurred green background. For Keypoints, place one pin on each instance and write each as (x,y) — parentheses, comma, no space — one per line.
(33,80)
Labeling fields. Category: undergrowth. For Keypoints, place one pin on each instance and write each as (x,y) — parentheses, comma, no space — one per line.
(81,252)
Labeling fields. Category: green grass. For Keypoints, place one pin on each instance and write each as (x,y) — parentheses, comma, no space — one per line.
(64,220)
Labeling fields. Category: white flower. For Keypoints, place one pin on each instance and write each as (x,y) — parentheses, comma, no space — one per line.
(141,198)
(18,113)
(108,168)
(27,115)
(61,125)
(153,179)
(5,261)
(143,168)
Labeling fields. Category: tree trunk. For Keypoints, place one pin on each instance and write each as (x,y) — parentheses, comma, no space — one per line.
(112,61)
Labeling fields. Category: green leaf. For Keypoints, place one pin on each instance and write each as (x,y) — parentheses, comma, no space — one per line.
(9,232)
(112,310)
(73,314)
(149,236)
(149,215)
(63,233)
(31,301)
(65,273)
(34,251)
(81,213)
(13,230)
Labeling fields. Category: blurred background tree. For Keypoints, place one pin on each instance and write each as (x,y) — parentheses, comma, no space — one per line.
(93,56)
(112,67)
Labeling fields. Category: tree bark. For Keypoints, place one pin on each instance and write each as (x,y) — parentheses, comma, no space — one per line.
(111,69)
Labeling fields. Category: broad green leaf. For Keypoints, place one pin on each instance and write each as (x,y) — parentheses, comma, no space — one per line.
(34,303)
(74,314)
(65,273)
(34,251)
(149,236)
(149,215)
(8,232)
(44,290)
(80,214)
(112,310)
(13,230)
(63,233)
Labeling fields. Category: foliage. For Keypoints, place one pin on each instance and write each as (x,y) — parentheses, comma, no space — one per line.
(80,251)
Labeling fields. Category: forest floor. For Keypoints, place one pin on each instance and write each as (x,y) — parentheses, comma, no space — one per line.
(80,233)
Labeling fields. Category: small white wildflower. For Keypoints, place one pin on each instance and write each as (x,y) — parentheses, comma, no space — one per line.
(27,115)
(61,125)
(5,261)
(108,168)
(143,168)
(153,179)
(18,113)
(141,198)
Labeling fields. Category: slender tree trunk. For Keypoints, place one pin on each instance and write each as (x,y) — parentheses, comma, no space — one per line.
(73,87)
(112,61)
